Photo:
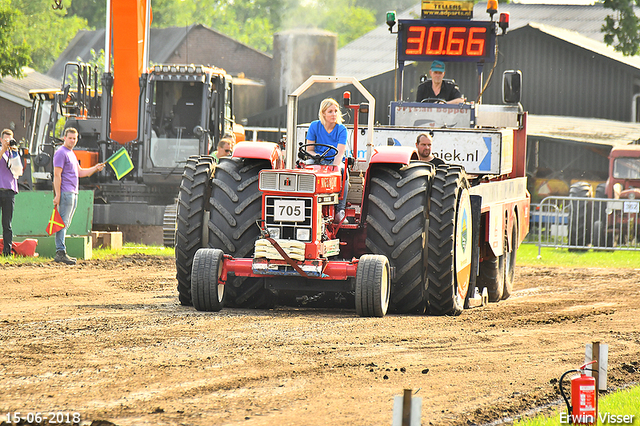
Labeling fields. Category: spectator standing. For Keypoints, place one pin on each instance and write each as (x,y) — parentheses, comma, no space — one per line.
(66,174)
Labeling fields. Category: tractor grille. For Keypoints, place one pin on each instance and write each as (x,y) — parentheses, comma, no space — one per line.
(289,218)
(290,182)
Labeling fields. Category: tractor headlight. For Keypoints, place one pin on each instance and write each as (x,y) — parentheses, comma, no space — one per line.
(303,234)
(274,232)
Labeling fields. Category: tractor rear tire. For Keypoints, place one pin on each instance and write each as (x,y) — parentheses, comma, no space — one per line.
(192,204)
(450,241)
(236,206)
(396,219)
(491,276)
(206,294)
(580,232)
(373,286)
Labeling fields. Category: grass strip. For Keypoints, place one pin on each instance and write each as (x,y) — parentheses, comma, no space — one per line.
(619,408)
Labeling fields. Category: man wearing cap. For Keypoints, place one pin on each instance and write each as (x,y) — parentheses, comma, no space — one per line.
(437,88)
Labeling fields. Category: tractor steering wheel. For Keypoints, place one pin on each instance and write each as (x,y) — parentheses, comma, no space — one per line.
(434,100)
(317,158)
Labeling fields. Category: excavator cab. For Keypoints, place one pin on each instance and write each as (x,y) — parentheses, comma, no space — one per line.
(177,110)
(185,109)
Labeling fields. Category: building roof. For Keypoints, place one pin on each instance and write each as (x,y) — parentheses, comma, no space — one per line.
(587,43)
(164,42)
(584,130)
(585,19)
(374,53)
(17,90)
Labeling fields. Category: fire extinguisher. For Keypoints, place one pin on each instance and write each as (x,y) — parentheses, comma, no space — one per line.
(583,409)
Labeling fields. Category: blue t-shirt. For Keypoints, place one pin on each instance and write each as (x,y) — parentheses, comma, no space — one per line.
(318,134)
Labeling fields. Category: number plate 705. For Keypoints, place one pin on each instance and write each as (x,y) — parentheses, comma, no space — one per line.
(289,210)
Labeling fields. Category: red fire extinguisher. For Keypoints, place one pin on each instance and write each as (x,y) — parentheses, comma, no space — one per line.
(583,409)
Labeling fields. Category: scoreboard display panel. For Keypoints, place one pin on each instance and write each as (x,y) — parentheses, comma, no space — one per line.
(446,40)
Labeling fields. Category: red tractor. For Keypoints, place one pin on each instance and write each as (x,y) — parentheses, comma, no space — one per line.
(612,222)
(260,226)
(269,227)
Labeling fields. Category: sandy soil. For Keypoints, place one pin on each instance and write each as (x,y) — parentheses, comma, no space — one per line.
(108,340)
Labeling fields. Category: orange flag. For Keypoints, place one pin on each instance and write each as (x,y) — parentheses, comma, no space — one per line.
(55,223)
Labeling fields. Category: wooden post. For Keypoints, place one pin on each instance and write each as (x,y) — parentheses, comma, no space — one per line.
(406,408)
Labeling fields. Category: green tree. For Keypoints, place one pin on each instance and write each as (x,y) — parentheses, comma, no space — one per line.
(173,13)
(252,22)
(622,31)
(46,30)
(346,19)
(381,7)
(343,23)
(94,11)
(13,54)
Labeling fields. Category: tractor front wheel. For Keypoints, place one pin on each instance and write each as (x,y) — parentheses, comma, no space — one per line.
(373,286)
(206,292)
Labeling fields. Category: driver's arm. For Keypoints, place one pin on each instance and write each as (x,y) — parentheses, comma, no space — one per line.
(456,95)
(311,147)
(420,95)
(456,101)
(338,158)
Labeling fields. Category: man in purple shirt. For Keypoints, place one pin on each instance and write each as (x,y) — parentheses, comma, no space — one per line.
(8,191)
(66,174)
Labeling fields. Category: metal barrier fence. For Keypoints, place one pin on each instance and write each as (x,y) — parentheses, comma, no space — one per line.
(585,223)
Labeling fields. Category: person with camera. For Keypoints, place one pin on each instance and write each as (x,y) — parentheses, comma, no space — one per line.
(8,189)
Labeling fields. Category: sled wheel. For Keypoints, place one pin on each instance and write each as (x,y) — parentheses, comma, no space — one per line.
(373,286)
(510,262)
(491,277)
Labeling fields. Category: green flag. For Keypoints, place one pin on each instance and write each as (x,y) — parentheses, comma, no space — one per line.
(121,163)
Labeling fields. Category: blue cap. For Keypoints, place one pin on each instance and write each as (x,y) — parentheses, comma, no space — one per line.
(437,66)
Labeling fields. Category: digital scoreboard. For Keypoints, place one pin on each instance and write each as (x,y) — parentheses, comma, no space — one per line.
(446,40)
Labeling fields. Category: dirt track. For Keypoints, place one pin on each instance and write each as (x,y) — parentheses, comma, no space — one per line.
(108,339)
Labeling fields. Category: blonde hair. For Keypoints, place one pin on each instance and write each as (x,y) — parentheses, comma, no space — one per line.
(324,106)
